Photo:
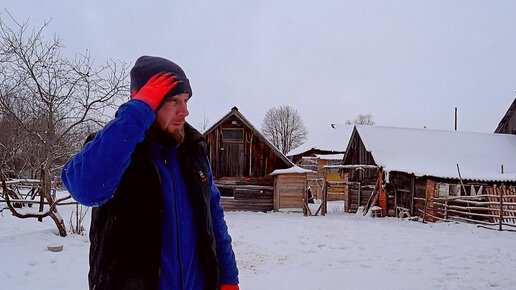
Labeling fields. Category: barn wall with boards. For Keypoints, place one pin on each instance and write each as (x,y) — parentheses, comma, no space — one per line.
(242,160)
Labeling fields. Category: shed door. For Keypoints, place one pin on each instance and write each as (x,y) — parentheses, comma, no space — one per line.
(232,157)
(232,160)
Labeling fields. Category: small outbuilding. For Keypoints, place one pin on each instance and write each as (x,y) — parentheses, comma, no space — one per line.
(242,160)
(290,190)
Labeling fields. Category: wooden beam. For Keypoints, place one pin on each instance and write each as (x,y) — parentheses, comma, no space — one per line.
(412,193)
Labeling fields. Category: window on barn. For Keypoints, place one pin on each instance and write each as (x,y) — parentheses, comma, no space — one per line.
(233,134)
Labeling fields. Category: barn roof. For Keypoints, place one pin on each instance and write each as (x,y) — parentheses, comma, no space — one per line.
(507,116)
(234,112)
(426,152)
(334,139)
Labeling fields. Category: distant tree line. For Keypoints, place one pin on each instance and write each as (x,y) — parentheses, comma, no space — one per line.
(366,119)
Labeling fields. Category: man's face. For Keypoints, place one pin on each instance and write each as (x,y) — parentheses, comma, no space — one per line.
(170,118)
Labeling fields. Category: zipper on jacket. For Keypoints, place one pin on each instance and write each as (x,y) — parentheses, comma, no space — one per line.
(177,226)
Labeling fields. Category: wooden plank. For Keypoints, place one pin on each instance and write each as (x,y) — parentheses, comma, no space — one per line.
(230,204)
(412,193)
(298,205)
(291,198)
(299,189)
(334,197)
(291,185)
(253,195)
(276,199)
(291,191)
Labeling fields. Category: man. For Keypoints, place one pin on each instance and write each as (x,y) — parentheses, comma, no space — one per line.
(156,221)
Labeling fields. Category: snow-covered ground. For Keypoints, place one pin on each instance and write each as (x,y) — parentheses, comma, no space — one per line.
(289,251)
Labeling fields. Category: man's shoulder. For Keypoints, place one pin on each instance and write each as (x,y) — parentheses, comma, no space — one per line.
(192,134)
(193,138)
(90,137)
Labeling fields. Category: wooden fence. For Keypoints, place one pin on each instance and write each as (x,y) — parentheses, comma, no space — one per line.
(494,209)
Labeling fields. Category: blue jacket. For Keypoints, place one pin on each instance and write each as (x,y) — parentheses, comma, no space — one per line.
(93,175)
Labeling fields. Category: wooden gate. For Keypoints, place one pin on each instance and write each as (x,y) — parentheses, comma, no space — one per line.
(502,201)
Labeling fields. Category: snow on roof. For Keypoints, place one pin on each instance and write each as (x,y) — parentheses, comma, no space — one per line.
(339,156)
(293,169)
(437,152)
(334,138)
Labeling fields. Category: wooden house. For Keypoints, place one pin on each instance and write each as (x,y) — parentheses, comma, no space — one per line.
(242,160)
(508,123)
(408,170)
(320,154)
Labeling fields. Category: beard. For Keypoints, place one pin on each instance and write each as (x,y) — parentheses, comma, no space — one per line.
(164,137)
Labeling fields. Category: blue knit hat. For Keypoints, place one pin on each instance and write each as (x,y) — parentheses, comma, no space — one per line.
(147,66)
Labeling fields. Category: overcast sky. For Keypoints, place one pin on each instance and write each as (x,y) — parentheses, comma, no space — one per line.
(408,63)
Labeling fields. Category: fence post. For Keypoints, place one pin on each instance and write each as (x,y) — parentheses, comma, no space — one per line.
(325,198)
(445,208)
(501,208)
(424,210)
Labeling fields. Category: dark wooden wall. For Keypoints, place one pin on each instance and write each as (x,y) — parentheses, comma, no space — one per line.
(249,199)
(508,123)
(241,164)
(248,157)
(357,154)
(406,191)
(359,194)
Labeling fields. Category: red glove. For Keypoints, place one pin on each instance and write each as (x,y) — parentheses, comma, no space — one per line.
(229,287)
(155,89)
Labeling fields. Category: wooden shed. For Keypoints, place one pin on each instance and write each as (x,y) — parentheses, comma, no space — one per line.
(242,160)
(417,167)
(290,188)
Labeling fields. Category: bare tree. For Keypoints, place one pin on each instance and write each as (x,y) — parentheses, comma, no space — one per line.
(366,119)
(77,218)
(284,127)
(11,144)
(49,102)
(205,122)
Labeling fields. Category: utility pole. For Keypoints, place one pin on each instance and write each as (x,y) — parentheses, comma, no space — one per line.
(455,118)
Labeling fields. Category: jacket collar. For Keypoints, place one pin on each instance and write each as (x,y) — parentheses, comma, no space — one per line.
(192,136)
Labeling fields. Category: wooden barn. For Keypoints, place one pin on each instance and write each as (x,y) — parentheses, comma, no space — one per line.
(242,160)
(508,123)
(320,153)
(408,172)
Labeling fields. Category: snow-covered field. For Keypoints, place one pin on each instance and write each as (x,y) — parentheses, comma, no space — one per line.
(289,251)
